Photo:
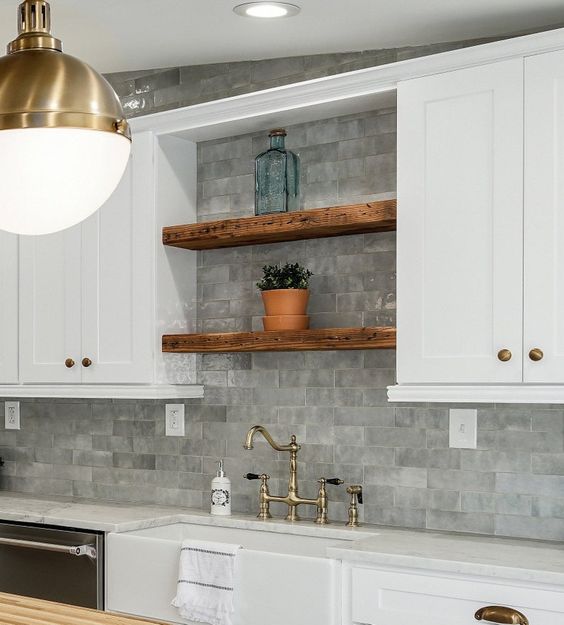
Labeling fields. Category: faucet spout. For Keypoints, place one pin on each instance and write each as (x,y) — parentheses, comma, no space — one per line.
(293,499)
(260,429)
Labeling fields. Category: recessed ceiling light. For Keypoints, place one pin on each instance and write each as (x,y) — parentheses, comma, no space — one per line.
(266,9)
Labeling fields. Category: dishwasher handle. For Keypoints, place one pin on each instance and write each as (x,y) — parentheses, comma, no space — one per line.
(73,550)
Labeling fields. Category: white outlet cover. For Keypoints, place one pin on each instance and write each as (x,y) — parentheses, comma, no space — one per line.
(12,415)
(463,428)
(174,420)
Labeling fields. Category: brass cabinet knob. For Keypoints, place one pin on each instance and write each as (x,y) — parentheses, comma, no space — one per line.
(69,363)
(501,614)
(504,355)
(536,354)
(86,362)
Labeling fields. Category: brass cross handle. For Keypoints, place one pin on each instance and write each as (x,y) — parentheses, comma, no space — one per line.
(333,480)
(256,476)
(501,614)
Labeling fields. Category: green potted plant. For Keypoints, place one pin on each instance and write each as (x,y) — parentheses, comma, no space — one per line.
(285,295)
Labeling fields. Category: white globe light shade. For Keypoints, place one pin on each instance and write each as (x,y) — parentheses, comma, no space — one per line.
(64,140)
(54,178)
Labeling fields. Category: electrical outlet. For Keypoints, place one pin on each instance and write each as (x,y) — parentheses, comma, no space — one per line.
(12,415)
(463,428)
(174,419)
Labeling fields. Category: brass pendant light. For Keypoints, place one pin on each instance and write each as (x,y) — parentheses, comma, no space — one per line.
(64,140)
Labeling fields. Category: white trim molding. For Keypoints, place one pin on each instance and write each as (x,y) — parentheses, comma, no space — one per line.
(103,391)
(476,394)
(222,117)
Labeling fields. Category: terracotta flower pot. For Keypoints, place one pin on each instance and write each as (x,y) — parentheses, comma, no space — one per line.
(285,322)
(285,301)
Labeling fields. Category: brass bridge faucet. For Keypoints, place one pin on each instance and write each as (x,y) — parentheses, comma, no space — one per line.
(292,499)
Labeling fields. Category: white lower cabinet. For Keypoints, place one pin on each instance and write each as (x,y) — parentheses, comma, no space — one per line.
(379,596)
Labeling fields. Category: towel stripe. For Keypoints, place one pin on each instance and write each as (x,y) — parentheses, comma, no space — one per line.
(187,581)
(218,553)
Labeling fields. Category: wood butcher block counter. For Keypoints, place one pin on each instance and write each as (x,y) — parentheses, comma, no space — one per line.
(16,610)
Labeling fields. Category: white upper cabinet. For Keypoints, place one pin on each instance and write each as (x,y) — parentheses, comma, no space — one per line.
(85,299)
(460,212)
(481,234)
(8,308)
(50,307)
(544,218)
(117,298)
(95,299)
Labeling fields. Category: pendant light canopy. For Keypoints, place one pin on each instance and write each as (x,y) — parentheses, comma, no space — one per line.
(64,141)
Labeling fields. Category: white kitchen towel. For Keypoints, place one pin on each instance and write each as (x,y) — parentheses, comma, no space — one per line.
(206,582)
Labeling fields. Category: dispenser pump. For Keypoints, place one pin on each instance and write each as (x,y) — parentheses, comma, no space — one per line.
(220,471)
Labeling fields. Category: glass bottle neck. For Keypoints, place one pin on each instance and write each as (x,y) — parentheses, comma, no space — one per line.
(277,142)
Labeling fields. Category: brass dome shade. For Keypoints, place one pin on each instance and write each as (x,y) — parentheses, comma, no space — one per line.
(63,105)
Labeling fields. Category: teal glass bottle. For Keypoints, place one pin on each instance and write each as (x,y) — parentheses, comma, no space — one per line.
(277,177)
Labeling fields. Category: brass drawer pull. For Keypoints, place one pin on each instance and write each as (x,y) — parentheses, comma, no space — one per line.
(69,363)
(504,355)
(536,354)
(86,362)
(501,614)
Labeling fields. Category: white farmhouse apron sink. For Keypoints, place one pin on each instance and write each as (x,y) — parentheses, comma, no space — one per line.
(278,574)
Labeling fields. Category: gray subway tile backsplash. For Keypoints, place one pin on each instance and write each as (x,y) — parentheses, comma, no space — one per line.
(335,402)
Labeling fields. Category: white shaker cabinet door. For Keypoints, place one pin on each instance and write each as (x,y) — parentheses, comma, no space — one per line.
(396,597)
(8,308)
(50,307)
(117,293)
(460,214)
(544,218)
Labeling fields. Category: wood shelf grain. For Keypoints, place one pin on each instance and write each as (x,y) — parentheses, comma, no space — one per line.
(276,228)
(282,341)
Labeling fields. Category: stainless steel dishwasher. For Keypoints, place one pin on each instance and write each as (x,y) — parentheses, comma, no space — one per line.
(51,563)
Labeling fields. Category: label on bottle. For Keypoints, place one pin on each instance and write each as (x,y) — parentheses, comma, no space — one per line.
(220,497)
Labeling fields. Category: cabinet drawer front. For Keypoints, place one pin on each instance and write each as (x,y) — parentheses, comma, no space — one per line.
(381,597)
(460,214)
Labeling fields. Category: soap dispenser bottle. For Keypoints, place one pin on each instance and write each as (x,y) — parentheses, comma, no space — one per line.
(221,493)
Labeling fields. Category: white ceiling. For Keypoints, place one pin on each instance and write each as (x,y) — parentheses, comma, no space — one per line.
(117,35)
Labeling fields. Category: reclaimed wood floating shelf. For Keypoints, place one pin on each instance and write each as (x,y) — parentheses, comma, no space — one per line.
(282,341)
(276,228)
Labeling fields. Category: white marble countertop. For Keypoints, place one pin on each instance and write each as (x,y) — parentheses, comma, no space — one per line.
(104,517)
(116,517)
(507,558)
(513,559)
